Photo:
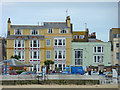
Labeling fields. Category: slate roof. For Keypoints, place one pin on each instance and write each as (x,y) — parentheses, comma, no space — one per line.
(95,40)
(45,25)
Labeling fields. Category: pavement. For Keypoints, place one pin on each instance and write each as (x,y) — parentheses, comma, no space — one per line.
(60,86)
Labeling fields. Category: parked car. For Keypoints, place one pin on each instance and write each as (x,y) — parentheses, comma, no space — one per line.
(105,73)
(12,73)
(28,73)
(92,73)
(109,74)
(39,74)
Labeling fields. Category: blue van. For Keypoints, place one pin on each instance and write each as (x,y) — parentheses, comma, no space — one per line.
(74,70)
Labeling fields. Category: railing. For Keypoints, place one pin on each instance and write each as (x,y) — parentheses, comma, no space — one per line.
(19,77)
(51,77)
(74,77)
(110,80)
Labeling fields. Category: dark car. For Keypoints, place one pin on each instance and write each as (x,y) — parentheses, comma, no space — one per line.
(28,73)
(13,73)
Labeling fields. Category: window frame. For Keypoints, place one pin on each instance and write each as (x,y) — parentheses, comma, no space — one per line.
(31,56)
(83,36)
(62,39)
(50,30)
(22,43)
(60,30)
(102,49)
(22,54)
(48,55)
(117,55)
(35,32)
(117,45)
(80,58)
(75,37)
(49,42)
(32,43)
(16,30)
(62,51)
(98,61)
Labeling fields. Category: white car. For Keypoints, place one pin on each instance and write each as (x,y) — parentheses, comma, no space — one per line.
(92,73)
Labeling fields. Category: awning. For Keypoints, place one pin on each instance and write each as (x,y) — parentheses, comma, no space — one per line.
(16,63)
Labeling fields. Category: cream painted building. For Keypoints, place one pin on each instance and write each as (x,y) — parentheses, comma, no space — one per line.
(115,41)
(35,44)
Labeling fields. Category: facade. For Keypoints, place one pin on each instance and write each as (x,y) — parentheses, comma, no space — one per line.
(2,48)
(91,53)
(115,41)
(80,36)
(35,44)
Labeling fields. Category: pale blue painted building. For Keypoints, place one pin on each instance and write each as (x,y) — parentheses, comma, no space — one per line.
(92,53)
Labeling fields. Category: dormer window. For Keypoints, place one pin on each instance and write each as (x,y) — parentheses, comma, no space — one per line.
(50,30)
(81,36)
(63,31)
(34,32)
(18,32)
(74,36)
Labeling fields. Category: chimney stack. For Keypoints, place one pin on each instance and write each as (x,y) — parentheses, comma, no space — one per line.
(9,20)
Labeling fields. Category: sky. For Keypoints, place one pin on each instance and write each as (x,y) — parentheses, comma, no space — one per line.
(99,16)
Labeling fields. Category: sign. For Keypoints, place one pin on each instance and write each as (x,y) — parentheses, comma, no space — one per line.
(43,70)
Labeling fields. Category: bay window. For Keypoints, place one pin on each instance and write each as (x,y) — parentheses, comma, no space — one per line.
(19,43)
(34,54)
(20,54)
(34,43)
(59,54)
(59,42)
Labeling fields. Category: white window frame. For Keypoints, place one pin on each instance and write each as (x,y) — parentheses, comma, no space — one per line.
(97,58)
(21,41)
(50,31)
(49,42)
(81,36)
(22,54)
(16,30)
(35,32)
(102,49)
(62,29)
(47,55)
(81,63)
(75,36)
(38,43)
(58,41)
(62,51)
(32,52)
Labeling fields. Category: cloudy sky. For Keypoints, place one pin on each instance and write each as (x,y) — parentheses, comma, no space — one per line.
(99,16)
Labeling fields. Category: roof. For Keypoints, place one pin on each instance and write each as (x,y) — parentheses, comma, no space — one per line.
(45,25)
(95,40)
